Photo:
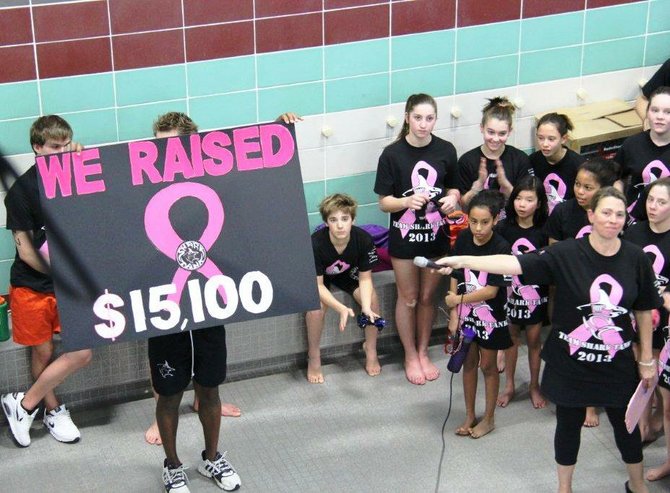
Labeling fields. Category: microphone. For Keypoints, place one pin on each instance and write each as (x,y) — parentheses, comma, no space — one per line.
(423,262)
(457,359)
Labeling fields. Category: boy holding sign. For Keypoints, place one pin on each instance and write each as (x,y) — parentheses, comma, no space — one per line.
(34,314)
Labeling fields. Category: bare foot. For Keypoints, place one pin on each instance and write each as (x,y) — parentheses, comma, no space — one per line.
(537,398)
(484,427)
(500,359)
(314,374)
(430,371)
(372,365)
(505,397)
(228,410)
(465,429)
(658,472)
(152,435)
(414,373)
(592,419)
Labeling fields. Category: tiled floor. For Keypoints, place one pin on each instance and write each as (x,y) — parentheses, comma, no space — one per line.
(354,433)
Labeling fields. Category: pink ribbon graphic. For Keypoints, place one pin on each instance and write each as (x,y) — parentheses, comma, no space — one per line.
(423,186)
(555,188)
(649,176)
(599,323)
(526,292)
(586,230)
(480,310)
(189,255)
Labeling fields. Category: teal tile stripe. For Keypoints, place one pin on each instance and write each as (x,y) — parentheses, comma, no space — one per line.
(303,99)
(15,136)
(613,55)
(19,100)
(552,31)
(150,84)
(358,92)
(290,67)
(7,248)
(5,266)
(616,22)
(540,66)
(659,16)
(479,75)
(242,90)
(657,49)
(488,40)
(437,80)
(221,76)
(360,187)
(418,50)
(351,59)
(86,92)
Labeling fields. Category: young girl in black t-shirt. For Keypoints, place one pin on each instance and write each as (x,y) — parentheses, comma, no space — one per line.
(653,236)
(553,162)
(494,164)
(569,219)
(645,157)
(523,228)
(476,300)
(416,184)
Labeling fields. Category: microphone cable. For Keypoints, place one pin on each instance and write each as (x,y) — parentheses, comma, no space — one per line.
(444,423)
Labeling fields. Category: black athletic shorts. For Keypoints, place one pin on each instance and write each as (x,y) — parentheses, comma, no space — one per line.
(343,281)
(173,358)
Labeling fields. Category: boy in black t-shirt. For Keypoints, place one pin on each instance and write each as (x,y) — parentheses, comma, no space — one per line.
(34,309)
(344,255)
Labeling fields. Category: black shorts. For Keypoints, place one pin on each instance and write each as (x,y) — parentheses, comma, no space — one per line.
(173,358)
(343,281)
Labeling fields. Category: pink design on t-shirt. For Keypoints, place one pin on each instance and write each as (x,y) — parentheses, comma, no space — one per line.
(599,322)
(555,188)
(423,185)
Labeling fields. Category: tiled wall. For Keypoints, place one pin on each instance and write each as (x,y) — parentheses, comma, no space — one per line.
(111,66)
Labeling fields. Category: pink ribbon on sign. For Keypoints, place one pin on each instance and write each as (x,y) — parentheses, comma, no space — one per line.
(600,324)
(555,194)
(527,292)
(480,310)
(161,233)
(423,186)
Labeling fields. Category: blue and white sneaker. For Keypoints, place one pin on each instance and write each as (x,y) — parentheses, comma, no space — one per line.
(221,471)
(18,418)
(174,478)
(60,425)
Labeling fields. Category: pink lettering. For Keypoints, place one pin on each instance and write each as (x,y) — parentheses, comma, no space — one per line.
(214,145)
(55,174)
(83,170)
(143,157)
(176,160)
(244,146)
(196,156)
(285,148)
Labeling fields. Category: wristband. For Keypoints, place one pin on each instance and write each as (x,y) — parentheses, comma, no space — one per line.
(650,363)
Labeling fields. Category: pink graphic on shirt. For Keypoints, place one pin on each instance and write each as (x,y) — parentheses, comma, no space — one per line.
(658,262)
(526,292)
(586,230)
(480,309)
(190,255)
(423,185)
(555,188)
(599,322)
(337,267)
(651,172)
(665,354)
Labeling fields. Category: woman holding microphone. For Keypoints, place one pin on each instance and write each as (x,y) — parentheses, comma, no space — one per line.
(600,280)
